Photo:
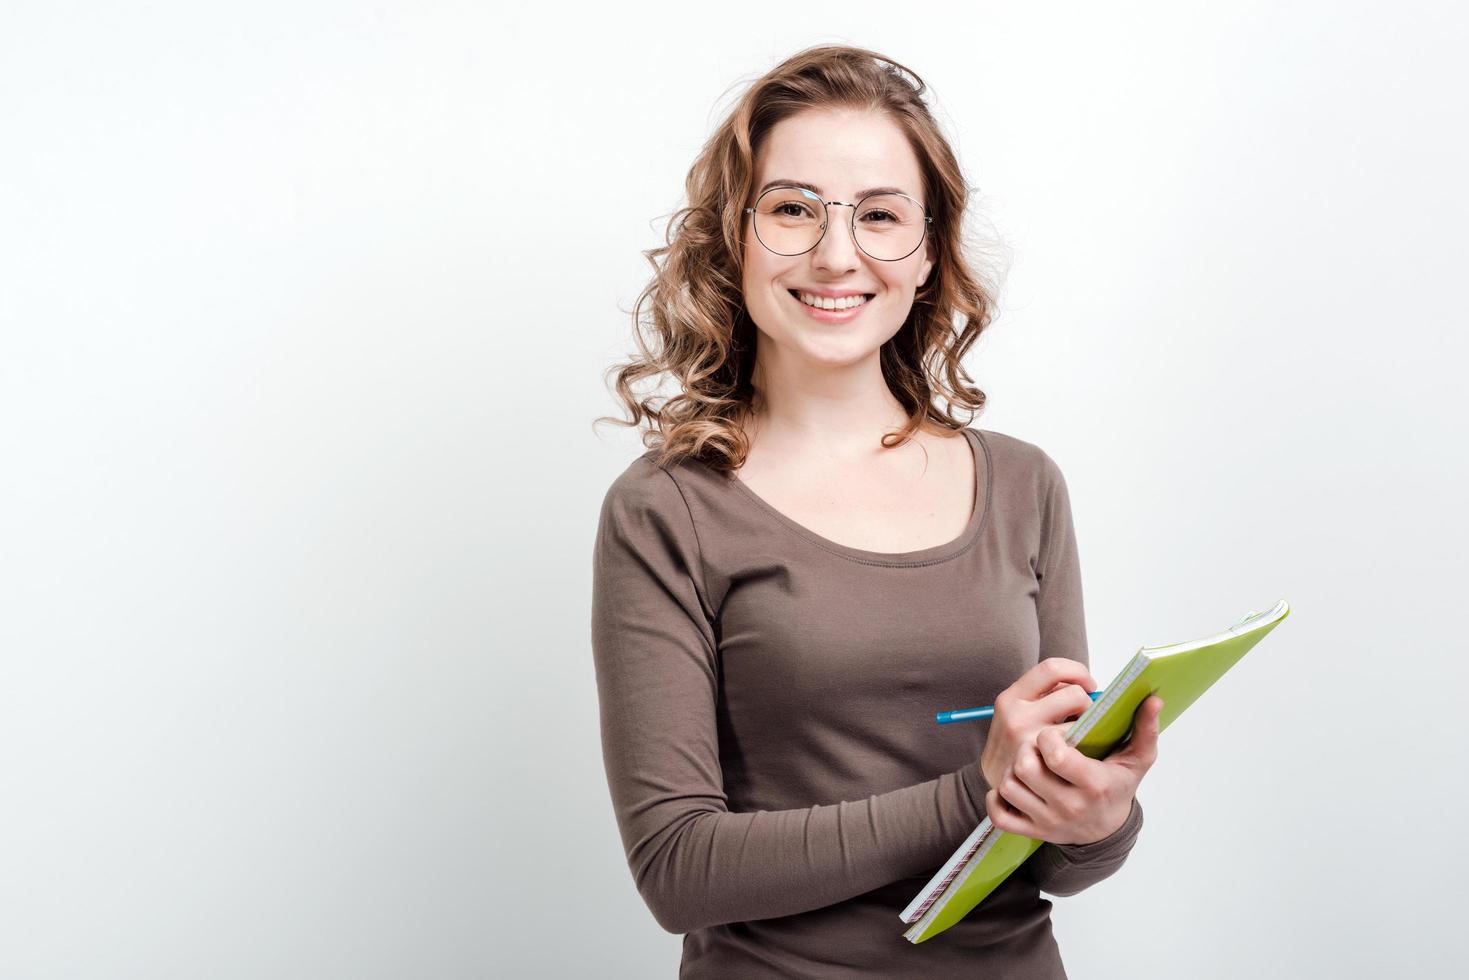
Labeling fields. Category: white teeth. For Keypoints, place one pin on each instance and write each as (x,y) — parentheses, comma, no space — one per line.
(828,303)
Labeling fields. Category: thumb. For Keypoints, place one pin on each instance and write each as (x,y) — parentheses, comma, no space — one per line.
(1142,748)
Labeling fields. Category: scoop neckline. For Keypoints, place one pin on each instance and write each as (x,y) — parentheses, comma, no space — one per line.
(921,556)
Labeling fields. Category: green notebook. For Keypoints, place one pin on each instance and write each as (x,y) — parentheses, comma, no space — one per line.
(1178,673)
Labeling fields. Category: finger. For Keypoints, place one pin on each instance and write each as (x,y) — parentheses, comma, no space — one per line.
(1005,817)
(1068,763)
(1060,729)
(1048,674)
(1068,702)
(1031,770)
(1014,791)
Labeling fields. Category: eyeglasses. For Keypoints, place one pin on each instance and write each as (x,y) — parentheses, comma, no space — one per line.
(793,220)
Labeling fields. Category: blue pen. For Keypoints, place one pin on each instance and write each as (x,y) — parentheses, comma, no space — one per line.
(974,714)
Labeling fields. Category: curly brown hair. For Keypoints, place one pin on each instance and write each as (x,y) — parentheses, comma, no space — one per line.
(696,310)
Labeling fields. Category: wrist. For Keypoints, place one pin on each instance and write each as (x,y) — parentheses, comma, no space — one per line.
(1129,825)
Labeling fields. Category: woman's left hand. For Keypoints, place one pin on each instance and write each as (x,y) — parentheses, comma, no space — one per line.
(1056,794)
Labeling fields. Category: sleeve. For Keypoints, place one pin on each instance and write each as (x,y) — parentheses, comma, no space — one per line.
(694,862)
(1065,869)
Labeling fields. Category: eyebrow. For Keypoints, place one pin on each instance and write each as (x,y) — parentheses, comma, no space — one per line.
(817,190)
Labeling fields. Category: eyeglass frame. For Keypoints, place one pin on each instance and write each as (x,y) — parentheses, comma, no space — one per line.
(826,220)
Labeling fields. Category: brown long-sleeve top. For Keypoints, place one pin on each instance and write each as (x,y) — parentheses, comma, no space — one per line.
(767,702)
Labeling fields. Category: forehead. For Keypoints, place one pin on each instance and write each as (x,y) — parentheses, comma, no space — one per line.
(840,152)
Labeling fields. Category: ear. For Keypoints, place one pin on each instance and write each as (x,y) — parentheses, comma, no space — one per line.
(927,266)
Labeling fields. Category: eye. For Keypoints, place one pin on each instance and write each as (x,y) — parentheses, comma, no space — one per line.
(791,209)
(887,215)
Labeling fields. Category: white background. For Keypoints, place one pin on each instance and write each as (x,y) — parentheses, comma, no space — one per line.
(304,314)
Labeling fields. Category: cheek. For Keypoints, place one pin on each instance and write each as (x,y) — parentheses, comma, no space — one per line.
(761,280)
(756,290)
(754,267)
(906,281)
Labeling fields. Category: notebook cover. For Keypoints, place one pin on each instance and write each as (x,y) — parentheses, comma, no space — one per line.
(1179,677)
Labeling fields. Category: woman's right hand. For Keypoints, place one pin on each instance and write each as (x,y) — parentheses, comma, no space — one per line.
(1053,693)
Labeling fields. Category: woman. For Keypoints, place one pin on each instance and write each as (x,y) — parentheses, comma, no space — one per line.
(813,558)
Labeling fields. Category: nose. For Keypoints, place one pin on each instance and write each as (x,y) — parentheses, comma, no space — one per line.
(837,251)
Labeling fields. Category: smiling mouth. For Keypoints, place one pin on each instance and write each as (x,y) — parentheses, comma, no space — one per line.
(845,302)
